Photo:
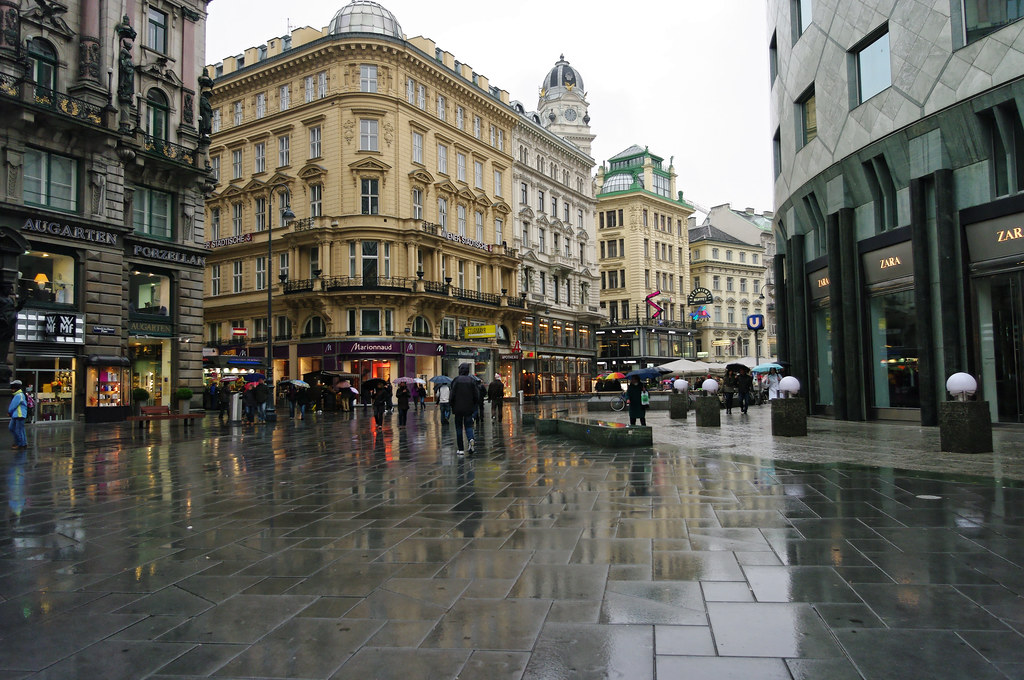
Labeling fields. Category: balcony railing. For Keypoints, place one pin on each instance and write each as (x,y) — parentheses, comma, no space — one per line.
(349,282)
(435,287)
(475,296)
(431,228)
(421,334)
(72,107)
(279,337)
(305,224)
(314,334)
(169,150)
(517,302)
(299,286)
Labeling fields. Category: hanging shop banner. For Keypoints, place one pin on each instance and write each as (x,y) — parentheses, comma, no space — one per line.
(700,296)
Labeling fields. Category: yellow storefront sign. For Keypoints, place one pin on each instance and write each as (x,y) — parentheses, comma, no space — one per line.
(472,332)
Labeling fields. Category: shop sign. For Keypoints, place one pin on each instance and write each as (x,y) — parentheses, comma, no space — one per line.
(211,352)
(474,332)
(39,326)
(239,332)
(819,284)
(995,239)
(888,264)
(62,325)
(510,356)
(168,255)
(68,231)
(229,241)
(370,347)
(463,240)
(700,296)
(104,330)
(721,343)
(148,328)
(467,353)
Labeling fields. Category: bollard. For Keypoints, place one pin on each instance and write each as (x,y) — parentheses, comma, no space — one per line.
(709,411)
(789,413)
(678,405)
(964,426)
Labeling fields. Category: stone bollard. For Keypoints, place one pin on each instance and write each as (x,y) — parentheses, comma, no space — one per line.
(789,417)
(678,405)
(965,427)
(709,411)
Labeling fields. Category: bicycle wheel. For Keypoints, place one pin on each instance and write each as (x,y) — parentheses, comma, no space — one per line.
(618,403)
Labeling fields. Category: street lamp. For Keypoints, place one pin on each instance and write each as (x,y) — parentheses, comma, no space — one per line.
(757,344)
(286,215)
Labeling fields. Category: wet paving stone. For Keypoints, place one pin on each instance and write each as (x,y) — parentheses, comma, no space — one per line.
(325,549)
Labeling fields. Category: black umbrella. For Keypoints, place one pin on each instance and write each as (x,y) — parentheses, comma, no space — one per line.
(373,382)
(738,368)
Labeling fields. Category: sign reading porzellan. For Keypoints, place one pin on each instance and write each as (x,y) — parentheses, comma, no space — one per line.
(168,255)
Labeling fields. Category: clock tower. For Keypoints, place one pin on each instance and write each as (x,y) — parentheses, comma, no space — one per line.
(563,105)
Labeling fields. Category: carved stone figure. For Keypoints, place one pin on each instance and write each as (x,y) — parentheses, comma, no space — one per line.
(205,109)
(126,67)
(9,308)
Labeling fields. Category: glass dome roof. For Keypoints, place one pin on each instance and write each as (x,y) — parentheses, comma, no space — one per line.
(619,182)
(365,16)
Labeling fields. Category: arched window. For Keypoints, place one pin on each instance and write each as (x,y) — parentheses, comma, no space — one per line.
(421,327)
(503,335)
(315,328)
(44,65)
(159,113)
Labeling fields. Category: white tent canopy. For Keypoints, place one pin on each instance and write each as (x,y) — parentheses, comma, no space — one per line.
(684,367)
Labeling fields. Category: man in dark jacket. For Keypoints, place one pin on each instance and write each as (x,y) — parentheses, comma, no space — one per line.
(496,393)
(744,383)
(262,394)
(465,400)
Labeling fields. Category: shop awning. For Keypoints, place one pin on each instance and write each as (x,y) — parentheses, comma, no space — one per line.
(108,360)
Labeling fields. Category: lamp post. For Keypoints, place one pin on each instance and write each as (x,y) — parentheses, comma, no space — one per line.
(757,345)
(286,215)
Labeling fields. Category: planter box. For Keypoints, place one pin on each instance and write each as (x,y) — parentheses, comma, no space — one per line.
(965,427)
(709,411)
(678,406)
(789,417)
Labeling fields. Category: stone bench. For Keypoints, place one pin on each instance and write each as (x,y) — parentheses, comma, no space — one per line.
(594,431)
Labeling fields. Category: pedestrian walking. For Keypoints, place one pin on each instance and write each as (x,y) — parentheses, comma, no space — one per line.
(404,396)
(380,403)
(262,395)
(744,384)
(18,411)
(638,399)
(390,397)
(223,396)
(465,401)
(773,383)
(729,389)
(302,401)
(444,395)
(421,396)
(249,403)
(496,393)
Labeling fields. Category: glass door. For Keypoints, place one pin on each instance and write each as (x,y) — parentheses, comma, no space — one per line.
(1006,351)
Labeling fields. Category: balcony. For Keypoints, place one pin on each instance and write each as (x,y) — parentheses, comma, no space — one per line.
(306,224)
(299,286)
(375,282)
(435,287)
(517,302)
(475,296)
(314,334)
(176,153)
(66,105)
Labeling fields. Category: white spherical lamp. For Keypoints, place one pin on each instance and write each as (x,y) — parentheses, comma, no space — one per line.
(961,386)
(680,385)
(710,386)
(789,385)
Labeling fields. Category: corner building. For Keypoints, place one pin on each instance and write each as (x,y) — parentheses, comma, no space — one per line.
(396,160)
(643,249)
(899,151)
(104,174)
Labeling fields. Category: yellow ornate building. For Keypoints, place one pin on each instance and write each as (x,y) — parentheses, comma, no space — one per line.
(396,160)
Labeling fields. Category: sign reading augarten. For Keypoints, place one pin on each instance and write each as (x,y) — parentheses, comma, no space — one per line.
(76,233)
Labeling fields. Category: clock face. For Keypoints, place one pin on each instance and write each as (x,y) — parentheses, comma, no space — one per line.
(570,114)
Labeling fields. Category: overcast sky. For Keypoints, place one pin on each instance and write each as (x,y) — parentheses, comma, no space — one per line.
(687,79)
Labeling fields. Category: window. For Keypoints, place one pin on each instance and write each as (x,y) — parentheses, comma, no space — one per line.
(156,30)
(368,134)
(282,265)
(743,256)
(315,200)
(773,59)
(261,214)
(801,17)
(442,159)
(314,261)
(807,117)
(284,155)
(461,274)
(442,213)
(152,213)
(883,191)
(441,106)
(743,285)
(501,139)
(238,113)
(478,174)
(497,183)
(461,212)
(565,212)
(50,180)
(479,279)
(314,142)
(753,259)
(410,90)
(874,72)
(554,207)
(417,204)
(284,97)
(477,123)
(236,219)
(215,167)
(261,273)
(728,284)
(579,219)
(461,166)
(479,226)
(421,97)
(540,201)
(370,198)
(982,17)
(321,84)
(526,233)
(716,283)
(44,63)
(499,234)
(158,114)
(214,224)
(493,136)
(236,164)
(460,118)
(149,293)
(777,153)
(215,280)
(540,240)
(731,315)
(259,157)
(417,147)
(261,104)
(728,255)
(215,121)
(353,269)
(367,78)
(310,88)
(284,328)
(523,193)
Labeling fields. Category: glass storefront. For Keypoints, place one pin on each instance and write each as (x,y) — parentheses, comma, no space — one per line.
(1001,320)
(821,320)
(151,369)
(52,380)
(894,350)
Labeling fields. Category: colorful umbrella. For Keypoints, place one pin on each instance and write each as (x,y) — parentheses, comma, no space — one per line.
(764,368)
(644,373)
(404,379)
(614,375)
(298,383)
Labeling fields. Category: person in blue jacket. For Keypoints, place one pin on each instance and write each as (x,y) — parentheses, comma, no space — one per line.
(18,411)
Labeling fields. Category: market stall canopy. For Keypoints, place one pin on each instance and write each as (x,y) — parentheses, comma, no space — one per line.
(683,367)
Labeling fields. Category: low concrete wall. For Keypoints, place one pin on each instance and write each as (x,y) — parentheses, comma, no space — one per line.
(659,402)
(594,432)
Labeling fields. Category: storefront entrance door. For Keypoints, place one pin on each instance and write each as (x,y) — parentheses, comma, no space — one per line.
(1007,300)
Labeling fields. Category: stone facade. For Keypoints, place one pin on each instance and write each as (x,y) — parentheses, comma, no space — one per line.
(104,173)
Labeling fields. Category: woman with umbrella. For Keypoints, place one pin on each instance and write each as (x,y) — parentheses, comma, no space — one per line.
(729,389)
(773,383)
(381,399)
(404,396)
(635,396)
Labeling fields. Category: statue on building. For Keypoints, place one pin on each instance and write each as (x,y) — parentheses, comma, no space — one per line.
(205,109)
(9,308)
(125,72)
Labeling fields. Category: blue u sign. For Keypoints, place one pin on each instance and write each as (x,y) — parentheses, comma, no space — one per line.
(755,322)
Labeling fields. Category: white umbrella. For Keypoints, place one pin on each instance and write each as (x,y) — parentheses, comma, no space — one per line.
(683,366)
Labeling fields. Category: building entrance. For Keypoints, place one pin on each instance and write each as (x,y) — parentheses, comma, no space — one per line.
(1003,345)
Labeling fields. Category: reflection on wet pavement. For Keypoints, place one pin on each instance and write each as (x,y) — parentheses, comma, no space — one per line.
(326,549)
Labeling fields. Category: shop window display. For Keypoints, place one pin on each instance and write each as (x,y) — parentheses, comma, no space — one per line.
(149,293)
(46,278)
(894,351)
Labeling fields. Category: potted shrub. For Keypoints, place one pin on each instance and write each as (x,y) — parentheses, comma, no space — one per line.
(139,397)
(184,397)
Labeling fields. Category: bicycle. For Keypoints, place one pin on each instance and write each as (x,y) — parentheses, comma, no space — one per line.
(618,402)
